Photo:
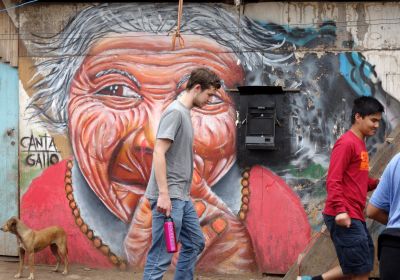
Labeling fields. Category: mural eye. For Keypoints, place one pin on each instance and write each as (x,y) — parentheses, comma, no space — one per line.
(119,90)
(214,100)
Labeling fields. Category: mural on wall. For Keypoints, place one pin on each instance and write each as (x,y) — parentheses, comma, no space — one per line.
(111,73)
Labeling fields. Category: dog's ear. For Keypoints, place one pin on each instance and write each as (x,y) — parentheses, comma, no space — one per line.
(12,223)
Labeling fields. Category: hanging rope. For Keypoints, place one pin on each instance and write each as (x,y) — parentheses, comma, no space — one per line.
(177,34)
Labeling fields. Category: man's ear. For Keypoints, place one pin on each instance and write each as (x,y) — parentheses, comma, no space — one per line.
(197,88)
(357,116)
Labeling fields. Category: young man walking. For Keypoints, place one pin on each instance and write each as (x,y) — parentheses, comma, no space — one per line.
(347,185)
(168,189)
(384,207)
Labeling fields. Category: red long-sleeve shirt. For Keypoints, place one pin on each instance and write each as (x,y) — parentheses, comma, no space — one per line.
(348,181)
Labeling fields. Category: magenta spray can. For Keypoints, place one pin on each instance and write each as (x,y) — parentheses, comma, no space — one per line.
(169,233)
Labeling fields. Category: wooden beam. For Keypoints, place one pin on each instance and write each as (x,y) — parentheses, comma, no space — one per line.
(8,39)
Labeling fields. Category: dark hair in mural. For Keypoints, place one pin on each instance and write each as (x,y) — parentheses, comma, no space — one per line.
(205,78)
(365,106)
(256,47)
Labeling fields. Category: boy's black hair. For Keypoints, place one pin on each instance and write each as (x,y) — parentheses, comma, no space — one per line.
(365,106)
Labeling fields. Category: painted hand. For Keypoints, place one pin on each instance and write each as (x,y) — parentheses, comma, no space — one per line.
(138,240)
(227,241)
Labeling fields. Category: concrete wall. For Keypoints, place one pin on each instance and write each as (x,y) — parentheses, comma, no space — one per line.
(95,79)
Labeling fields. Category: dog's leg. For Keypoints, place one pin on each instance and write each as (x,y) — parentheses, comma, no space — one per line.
(65,272)
(31,265)
(63,251)
(21,263)
(54,250)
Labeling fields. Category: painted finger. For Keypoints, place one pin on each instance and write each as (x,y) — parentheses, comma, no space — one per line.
(138,239)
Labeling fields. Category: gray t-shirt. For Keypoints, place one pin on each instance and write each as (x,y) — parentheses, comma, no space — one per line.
(176,125)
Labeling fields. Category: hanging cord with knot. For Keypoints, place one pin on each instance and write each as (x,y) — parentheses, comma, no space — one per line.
(177,33)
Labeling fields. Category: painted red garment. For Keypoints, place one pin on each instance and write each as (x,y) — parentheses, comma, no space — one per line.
(276,221)
(348,181)
(45,204)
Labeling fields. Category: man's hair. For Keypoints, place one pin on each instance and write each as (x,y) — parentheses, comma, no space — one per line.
(365,106)
(203,77)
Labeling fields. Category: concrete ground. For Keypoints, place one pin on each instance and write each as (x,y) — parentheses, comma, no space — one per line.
(9,266)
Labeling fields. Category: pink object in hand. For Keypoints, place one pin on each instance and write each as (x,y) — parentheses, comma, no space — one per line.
(170,236)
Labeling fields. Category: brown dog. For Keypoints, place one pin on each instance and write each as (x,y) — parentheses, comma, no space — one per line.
(32,241)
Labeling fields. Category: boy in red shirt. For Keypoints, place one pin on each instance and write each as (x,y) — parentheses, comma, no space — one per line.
(347,186)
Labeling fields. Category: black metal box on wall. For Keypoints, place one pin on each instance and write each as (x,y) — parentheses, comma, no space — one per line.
(262,128)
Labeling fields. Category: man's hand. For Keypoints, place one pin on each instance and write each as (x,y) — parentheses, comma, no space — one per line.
(164,204)
(343,219)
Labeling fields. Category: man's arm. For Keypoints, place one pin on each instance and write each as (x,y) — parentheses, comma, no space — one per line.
(377,214)
(380,203)
(372,183)
(160,171)
(340,158)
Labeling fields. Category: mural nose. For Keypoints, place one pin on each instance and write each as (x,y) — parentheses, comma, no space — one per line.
(150,135)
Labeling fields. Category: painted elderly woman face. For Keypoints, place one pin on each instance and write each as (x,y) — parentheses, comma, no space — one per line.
(116,100)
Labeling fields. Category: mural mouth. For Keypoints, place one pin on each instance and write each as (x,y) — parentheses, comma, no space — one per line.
(131,168)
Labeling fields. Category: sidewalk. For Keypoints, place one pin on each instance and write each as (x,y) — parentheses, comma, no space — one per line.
(9,267)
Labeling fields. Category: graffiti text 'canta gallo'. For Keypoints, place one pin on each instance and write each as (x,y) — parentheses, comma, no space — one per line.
(41,150)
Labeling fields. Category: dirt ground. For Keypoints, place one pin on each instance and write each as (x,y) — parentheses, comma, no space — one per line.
(9,266)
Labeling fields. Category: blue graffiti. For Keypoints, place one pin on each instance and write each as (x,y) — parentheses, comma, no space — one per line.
(358,73)
(301,36)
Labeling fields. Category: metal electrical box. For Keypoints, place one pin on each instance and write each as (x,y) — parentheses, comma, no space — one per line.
(260,128)
(263,125)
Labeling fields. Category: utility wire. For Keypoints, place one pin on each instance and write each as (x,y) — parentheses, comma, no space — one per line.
(17,6)
(253,51)
(285,29)
(288,25)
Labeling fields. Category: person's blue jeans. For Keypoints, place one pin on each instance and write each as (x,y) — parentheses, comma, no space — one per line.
(189,234)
